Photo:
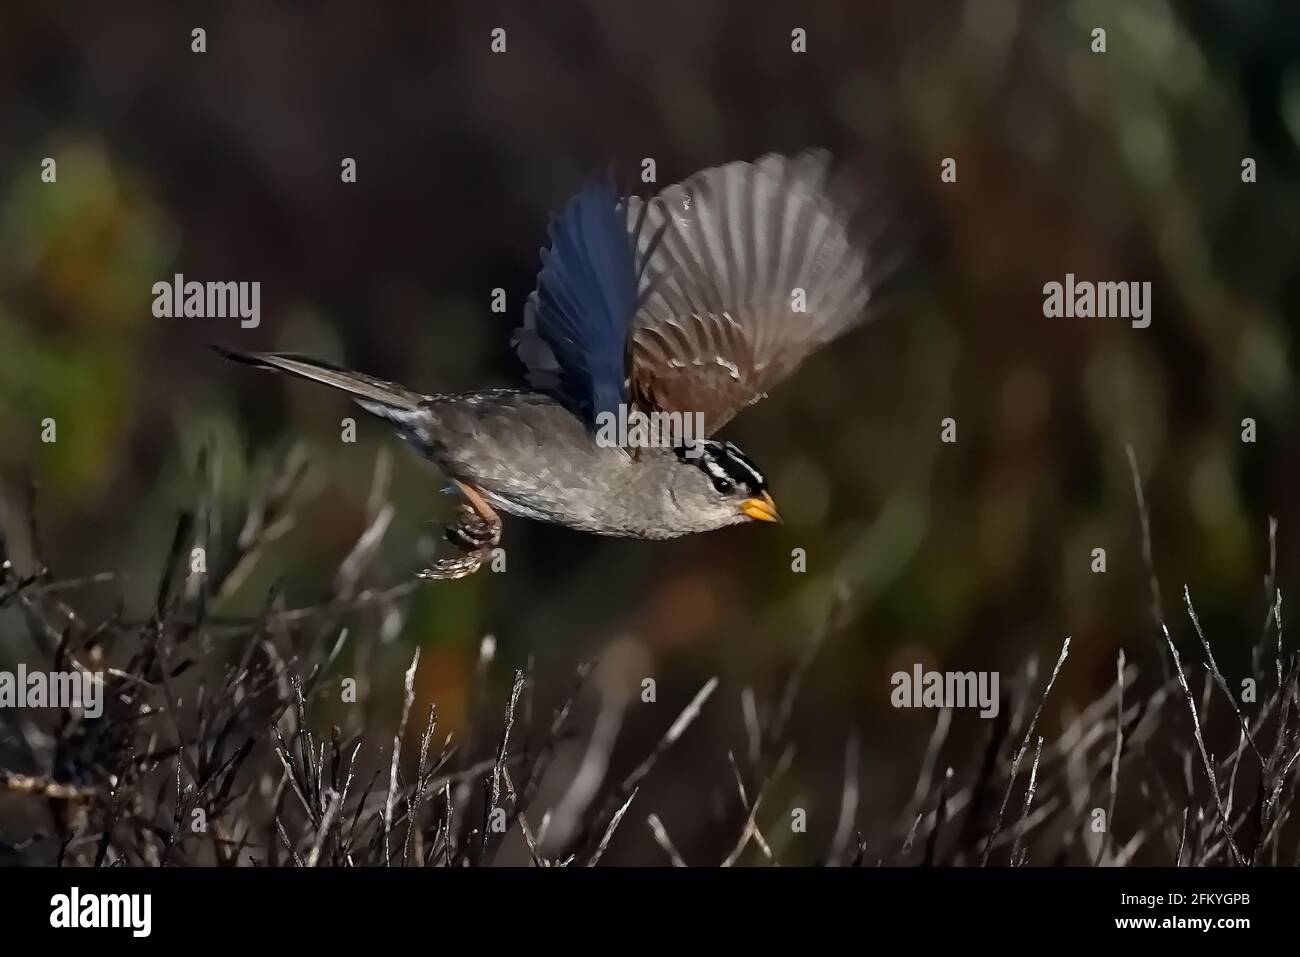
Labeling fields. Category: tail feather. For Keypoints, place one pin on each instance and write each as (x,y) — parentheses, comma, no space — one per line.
(362,386)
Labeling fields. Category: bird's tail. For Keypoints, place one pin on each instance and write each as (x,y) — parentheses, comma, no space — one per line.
(363,387)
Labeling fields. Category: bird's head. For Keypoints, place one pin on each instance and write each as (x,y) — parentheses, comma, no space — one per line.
(715,484)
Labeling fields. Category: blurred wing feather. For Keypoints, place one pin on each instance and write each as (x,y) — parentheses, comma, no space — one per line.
(724,253)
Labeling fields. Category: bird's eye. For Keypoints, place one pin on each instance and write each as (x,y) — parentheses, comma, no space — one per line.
(722,486)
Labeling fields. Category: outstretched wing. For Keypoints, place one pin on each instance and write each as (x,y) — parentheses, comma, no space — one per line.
(574,335)
(755,270)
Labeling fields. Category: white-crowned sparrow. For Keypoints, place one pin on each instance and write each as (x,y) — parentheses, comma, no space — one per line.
(697,301)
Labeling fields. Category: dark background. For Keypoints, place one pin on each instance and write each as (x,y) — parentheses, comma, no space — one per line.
(1119,166)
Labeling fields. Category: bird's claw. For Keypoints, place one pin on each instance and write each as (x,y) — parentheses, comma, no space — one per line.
(475,536)
(449,569)
(472,532)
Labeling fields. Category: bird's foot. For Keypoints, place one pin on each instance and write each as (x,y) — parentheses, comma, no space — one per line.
(475,534)
(449,569)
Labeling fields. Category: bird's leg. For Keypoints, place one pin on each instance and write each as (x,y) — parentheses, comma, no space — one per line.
(476,532)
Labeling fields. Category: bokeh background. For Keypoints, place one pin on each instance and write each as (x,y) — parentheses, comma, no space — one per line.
(1117,166)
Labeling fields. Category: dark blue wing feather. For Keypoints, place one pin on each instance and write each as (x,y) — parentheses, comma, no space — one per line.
(574,335)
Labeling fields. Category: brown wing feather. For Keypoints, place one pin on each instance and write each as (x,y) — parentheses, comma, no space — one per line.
(719,323)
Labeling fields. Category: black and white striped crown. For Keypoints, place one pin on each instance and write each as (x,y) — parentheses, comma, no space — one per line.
(727,467)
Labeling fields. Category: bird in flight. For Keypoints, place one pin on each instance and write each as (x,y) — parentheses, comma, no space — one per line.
(695,302)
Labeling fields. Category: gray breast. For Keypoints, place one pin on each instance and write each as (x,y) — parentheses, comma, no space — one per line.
(533,458)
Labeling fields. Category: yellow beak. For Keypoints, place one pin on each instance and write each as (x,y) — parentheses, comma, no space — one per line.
(760,509)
